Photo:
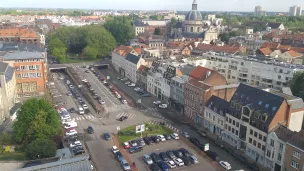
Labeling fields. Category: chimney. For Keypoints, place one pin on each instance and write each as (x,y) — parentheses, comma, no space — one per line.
(208,74)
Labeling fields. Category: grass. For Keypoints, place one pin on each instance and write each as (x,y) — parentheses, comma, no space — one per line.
(128,133)
(19,156)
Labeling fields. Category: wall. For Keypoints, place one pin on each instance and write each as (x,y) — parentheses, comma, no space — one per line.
(289,157)
(281,116)
(296,120)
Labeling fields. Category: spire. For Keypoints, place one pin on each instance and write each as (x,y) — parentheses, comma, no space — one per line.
(194,5)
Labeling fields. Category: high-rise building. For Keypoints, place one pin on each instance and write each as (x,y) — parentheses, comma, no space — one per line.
(258,11)
(295,11)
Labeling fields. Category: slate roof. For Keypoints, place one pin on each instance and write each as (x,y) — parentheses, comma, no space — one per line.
(194,15)
(219,104)
(193,35)
(3,67)
(7,70)
(260,102)
(297,140)
(22,47)
(132,58)
(224,49)
(73,164)
(274,25)
(284,133)
(179,25)
(23,55)
(176,34)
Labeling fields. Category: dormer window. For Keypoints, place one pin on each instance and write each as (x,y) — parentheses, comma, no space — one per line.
(260,102)
(233,104)
(238,106)
(257,114)
(246,111)
(215,109)
(266,106)
(274,108)
(264,117)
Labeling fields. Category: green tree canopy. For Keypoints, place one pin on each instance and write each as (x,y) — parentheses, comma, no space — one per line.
(297,84)
(173,21)
(157,31)
(156,17)
(77,39)
(41,148)
(121,29)
(36,119)
(90,52)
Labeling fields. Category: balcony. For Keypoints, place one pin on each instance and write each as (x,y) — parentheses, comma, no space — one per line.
(243,76)
(242,80)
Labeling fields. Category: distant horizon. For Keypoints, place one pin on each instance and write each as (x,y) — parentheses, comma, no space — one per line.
(178,5)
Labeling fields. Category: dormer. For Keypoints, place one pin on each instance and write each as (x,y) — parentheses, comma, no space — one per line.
(246,111)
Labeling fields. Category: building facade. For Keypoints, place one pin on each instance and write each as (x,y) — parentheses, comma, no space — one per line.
(295,11)
(7,90)
(294,152)
(30,71)
(141,77)
(19,35)
(250,70)
(177,92)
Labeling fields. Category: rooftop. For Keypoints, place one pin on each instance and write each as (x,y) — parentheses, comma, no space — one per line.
(23,55)
(218,105)
(297,140)
(284,133)
(132,58)
(22,47)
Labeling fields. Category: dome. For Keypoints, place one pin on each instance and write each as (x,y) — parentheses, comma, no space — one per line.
(194,15)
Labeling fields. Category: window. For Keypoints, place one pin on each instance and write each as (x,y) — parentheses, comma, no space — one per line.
(236,132)
(263,147)
(250,140)
(267,105)
(255,134)
(233,122)
(213,118)
(257,114)
(260,136)
(296,154)
(295,164)
(237,124)
(260,102)
(251,131)
(232,130)
(229,120)
(274,108)
(264,138)
(229,128)
(254,142)
(264,117)
(279,156)
(268,153)
(259,145)
(281,146)
(272,142)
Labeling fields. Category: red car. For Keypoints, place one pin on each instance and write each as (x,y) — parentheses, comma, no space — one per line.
(113,91)
(126,145)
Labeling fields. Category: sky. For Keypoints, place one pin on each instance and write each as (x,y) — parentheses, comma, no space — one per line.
(179,5)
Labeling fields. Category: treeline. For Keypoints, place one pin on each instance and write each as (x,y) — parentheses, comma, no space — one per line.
(67,12)
(92,41)
(293,23)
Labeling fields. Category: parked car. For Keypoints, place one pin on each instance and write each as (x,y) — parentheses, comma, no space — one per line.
(128,82)
(163,166)
(141,142)
(70,125)
(175,136)
(146,95)
(133,143)
(64,117)
(155,139)
(171,164)
(161,137)
(90,130)
(155,157)
(101,101)
(67,121)
(213,155)
(225,165)
(202,133)
(71,132)
(125,165)
(178,162)
(72,110)
(157,102)
(193,158)
(178,153)
(114,149)
(185,134)
(147,159)
(135,149)
(187,161)
(154,167)
(185,152)
(107,136)
(75,143)
(77,151)
(148,140)
(136,89)
(171,154)
(167,136)
(126,145)
(118,156)
(163,156)
(131,85)
(163,106)
(123,101)
(194,141)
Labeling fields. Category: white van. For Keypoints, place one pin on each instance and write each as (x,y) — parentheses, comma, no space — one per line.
(70,125)
(81,111)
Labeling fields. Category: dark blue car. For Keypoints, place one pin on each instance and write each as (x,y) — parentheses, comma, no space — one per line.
(163,166)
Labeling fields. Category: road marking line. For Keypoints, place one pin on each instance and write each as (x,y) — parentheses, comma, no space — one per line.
(131,116)
(82,117)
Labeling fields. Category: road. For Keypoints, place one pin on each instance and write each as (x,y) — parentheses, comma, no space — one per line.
(148,103)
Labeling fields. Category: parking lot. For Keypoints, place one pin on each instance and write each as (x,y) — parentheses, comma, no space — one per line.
(202,164)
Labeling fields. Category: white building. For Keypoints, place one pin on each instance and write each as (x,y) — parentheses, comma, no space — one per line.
(256,71)
(132,63)
(295,11)
(215,112)
(119,57)
(275,148)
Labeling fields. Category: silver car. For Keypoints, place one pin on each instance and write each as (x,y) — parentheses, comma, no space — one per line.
(147,159)
(124,164)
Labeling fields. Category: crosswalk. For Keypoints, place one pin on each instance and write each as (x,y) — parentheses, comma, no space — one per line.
(168,125)
(83,117)
(129,115)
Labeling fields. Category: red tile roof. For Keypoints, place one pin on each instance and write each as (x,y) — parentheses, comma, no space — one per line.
(138,50)
(294,54)
(225,49)
(271,45)
(143,68)
(297,49)
(198,84)
(123,50)
(265,51)
(199,73)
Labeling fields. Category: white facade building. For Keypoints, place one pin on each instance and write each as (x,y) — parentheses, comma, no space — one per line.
(295,11)
(256,71)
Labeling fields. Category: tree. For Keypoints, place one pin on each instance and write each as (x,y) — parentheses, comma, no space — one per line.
(36,119)
(58,49)
(90,52)
(156,17)
(157,31)
(173,21)
(6,139)
(41,148)
(297,84)
(120,28)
